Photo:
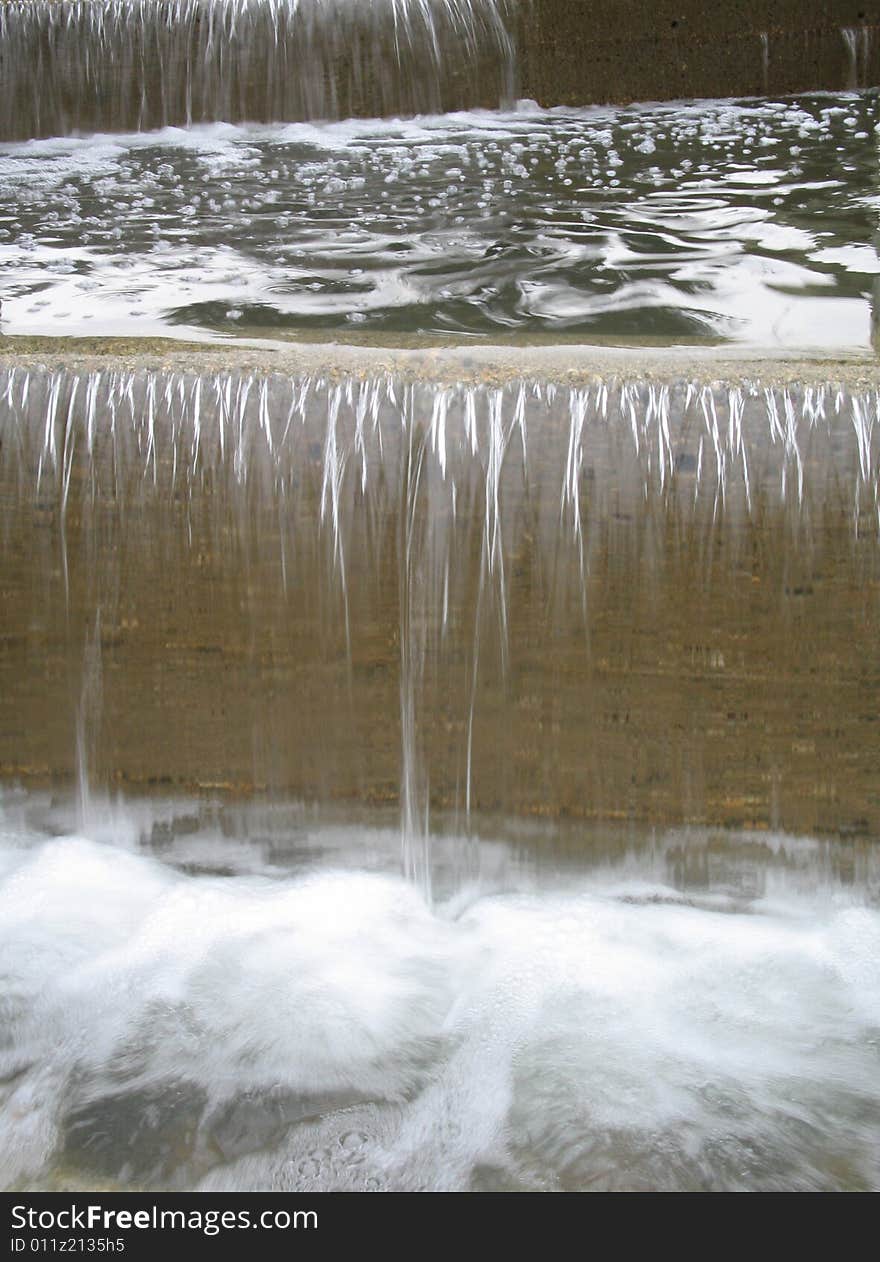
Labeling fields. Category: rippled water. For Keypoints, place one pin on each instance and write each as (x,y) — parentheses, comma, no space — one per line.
(254,1000)
(750,222)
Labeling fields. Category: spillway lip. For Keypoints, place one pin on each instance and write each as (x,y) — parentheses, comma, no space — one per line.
(487,365)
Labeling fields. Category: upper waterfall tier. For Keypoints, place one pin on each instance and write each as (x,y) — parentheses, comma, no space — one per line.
(122,65)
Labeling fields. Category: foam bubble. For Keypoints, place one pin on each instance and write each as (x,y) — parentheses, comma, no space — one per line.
(322,1027)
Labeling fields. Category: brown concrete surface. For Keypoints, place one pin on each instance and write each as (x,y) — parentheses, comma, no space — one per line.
(578,52)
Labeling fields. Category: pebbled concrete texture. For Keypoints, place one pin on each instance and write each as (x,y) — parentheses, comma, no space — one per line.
(423,360)
(581,52)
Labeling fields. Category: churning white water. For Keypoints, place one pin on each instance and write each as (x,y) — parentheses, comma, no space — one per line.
(187,1006)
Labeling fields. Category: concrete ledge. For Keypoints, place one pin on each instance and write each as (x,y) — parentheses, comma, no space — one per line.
(473,364)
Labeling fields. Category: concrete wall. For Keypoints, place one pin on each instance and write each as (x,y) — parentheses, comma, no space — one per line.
(576,52)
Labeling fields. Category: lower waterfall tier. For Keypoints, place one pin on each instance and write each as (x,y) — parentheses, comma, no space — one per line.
(618,600)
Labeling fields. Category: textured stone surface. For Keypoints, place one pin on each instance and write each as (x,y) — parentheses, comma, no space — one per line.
(577,52)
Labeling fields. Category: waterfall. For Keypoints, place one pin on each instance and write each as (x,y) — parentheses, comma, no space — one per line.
(857,40)
(455,598)
(765,60)
(126,65)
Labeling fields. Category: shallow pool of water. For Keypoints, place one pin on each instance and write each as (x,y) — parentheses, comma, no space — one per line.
(250,998)
(751,222)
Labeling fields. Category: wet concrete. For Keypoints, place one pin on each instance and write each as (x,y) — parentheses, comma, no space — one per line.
(671,660)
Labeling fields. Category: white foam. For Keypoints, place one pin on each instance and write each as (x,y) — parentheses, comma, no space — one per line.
(328,1030)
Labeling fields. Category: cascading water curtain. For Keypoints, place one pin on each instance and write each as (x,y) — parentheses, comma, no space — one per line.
(127,65)
(405,572)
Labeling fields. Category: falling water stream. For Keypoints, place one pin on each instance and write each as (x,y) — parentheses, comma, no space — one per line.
(858,48)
